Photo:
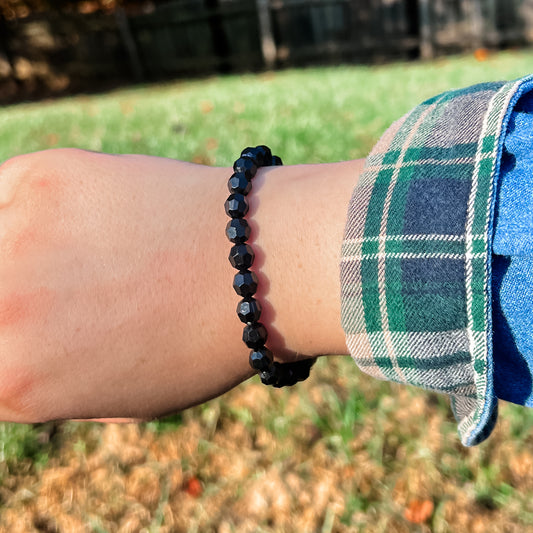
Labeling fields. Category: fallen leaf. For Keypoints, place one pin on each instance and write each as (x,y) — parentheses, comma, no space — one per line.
(211,143)
(206,107)
(481,54)
(126,108)
(202,159)
(418,511)
(193,487)
(52,139)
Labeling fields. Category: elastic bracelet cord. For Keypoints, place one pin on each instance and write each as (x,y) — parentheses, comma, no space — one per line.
(245,281)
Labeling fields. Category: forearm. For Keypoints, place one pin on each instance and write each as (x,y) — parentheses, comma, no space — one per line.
(299,213)
(132,311)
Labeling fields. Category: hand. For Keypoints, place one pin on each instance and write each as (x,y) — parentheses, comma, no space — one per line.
(93,256)
(115,287)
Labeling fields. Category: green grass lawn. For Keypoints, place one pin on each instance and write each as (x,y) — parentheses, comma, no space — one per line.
(311,115)
(339,453)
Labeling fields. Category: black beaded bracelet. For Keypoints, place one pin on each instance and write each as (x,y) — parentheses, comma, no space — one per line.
(241,257)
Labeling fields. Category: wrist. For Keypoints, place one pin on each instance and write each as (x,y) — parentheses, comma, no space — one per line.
(297,216)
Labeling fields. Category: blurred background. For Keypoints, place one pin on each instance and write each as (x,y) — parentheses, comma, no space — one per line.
(49,47)
(318,81)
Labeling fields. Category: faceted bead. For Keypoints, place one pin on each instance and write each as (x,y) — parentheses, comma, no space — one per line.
(269,377)
(236,206)
(289,374)
(245,283)
(264,153)
(238,183)
(249,310)
(261,155)
(276,161)
(254,335)
(241,256)
(285,374)
(237,230)
(261,359)
(249,152)
(246,166)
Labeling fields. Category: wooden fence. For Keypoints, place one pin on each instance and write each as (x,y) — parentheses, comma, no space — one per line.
(57,51)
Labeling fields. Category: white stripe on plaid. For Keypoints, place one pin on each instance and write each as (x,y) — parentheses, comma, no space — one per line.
(407,255)
(492,125)
(413,237)
(428,161)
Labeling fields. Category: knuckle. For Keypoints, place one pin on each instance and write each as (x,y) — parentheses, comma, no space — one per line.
(12,173)
(18,172)
(35,171)
(31,194)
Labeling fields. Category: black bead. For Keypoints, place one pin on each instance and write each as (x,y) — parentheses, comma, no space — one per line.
(238,230)
(246,166)
(241,256)
(245,283)
(261,359)
(261,155)
(289,374)
(269,377)
(238,183)
(249,310)
(254,335)
(264,152)
(236,206)
(249,152)
(285,374)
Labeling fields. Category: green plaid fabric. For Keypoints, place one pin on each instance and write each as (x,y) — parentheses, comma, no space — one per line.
(415,267)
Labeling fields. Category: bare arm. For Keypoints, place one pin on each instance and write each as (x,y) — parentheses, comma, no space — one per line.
(115,287)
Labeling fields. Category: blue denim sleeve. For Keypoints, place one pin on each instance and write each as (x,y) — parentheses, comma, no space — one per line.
(512,261)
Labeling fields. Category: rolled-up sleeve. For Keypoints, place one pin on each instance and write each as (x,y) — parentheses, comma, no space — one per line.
(417,258)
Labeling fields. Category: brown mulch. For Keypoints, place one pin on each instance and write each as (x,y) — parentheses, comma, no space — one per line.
(258,460)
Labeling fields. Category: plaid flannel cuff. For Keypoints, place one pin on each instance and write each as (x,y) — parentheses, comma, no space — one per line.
(415,260)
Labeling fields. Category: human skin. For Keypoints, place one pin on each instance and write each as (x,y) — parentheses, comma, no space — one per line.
(116,295)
